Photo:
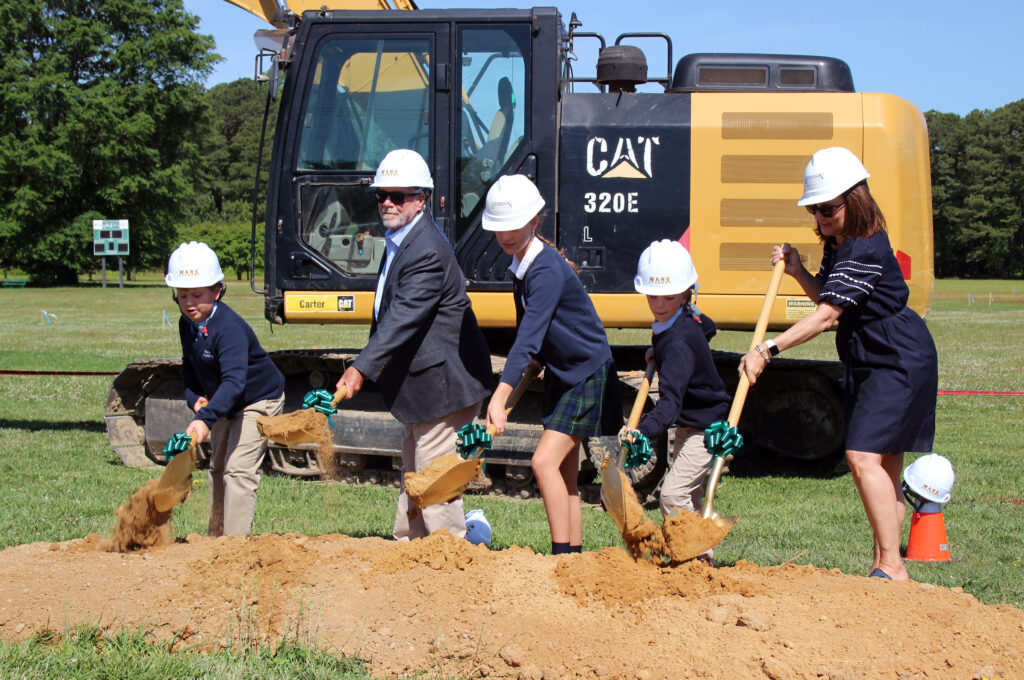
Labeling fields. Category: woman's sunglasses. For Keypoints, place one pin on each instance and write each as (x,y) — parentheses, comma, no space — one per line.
(825,210)
(397,197)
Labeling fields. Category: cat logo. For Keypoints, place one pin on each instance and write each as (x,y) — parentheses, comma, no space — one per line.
(632,158)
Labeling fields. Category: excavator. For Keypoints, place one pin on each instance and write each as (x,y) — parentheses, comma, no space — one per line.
(713,157)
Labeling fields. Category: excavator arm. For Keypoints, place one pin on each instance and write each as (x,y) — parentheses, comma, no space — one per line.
(265,8)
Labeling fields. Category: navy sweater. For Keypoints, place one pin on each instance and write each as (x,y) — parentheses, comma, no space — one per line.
(559,325)
(691,393)
(225,364)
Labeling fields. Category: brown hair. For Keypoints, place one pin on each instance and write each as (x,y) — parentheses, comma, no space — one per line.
(863,216)
(561,251)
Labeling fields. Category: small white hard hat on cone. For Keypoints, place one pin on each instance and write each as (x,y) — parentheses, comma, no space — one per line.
(930,477)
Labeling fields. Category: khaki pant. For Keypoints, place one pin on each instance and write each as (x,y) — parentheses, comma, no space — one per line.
(683,485)
(238,451)
(422,443)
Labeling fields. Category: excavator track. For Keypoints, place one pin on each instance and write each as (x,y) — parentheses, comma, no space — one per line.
(794,410)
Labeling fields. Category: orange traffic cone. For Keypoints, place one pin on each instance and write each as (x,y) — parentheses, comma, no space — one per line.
(927,541)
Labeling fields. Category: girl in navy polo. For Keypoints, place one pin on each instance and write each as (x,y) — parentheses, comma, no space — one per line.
(557,326)
(891,364)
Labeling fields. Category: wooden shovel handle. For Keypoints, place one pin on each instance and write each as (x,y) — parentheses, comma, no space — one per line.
(759,330)
(641,397)
(339,395)
(531,371)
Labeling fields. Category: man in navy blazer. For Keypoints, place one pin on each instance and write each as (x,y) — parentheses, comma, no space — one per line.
(426,351)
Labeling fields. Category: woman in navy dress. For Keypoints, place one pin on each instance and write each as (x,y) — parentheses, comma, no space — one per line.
(891,364)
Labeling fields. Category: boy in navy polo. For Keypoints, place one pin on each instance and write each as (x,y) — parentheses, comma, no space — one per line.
(691,393)
(229,382)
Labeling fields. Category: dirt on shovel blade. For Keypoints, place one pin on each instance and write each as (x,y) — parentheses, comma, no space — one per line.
(304,426)
(430,486)
(642,535)
(688,535)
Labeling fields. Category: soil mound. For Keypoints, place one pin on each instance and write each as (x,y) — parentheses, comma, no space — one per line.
(440,607)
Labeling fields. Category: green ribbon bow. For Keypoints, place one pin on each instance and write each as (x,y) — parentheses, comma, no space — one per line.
(471,438)
(319,400)
(639,449)
(722,440)
(176,444)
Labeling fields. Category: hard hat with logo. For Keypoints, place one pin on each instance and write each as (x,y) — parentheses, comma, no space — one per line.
(403,168)
(193,265)
(930,477)
(665,268)
(831,172)
(511,202)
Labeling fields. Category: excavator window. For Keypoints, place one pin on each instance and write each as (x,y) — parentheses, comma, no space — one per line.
(368,96)
(492,122)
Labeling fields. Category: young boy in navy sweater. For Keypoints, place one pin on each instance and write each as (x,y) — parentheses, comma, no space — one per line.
(692,395)
(229,382)
(557,326)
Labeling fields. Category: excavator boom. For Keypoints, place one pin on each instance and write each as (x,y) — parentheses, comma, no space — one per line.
(265,9)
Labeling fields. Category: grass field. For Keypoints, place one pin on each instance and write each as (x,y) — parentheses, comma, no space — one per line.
(61,481)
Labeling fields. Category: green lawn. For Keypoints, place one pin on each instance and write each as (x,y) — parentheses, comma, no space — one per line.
(61,480)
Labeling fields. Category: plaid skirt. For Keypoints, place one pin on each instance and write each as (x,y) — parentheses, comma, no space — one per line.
(591,408)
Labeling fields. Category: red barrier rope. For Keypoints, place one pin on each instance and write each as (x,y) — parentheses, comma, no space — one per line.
(3,372)
(980,392)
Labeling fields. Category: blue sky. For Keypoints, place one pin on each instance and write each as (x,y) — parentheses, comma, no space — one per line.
(954,57)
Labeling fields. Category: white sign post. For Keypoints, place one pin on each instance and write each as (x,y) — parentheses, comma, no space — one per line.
(110,237)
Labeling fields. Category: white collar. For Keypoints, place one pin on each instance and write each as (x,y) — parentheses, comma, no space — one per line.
(518,268)
(662,326)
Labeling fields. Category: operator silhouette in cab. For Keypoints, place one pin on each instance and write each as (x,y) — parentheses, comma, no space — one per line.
(426,351)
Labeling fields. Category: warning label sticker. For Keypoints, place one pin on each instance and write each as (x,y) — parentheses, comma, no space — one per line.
(798,309)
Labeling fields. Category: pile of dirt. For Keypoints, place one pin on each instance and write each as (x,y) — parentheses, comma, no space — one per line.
(441,607)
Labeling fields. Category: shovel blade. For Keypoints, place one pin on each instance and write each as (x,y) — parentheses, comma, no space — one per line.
(612,495)
(449,485)
(688,535)
(290,429)
(176,481)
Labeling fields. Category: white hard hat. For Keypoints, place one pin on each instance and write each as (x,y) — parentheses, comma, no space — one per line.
(403,168)
(511,202)
(665,268)
(193,265)
(831,172)
(930,477)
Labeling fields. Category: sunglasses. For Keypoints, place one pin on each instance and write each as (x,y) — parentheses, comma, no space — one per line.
(397,197)
(825,210)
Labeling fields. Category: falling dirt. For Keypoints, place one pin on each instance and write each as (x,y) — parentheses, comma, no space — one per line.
(442,607)
(688,535)
(641,534)
(443,480)
(139,523)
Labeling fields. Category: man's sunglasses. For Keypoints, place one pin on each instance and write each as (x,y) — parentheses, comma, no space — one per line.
(825,210)
(397,197)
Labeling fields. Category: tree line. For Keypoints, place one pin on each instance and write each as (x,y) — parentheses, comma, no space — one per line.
(104,115)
